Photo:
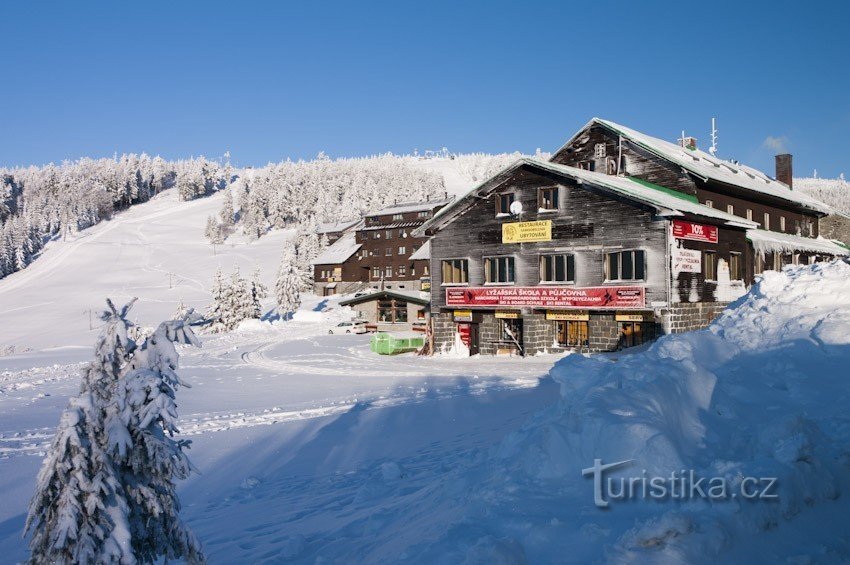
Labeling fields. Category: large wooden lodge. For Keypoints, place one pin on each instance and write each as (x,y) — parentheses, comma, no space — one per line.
(618,238)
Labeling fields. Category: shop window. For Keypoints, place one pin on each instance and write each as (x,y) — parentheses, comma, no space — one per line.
(503,203)
(571,333)
(499,270)
(392,311)
(626,266)
(511,333)
(557,268)
(709,265)
(636,333)
(456,271)
(548,198)
(735,271)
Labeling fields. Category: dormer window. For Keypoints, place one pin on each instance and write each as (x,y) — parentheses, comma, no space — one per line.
(599,151)
(587,165)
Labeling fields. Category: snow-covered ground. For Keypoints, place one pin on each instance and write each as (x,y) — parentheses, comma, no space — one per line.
(310,448)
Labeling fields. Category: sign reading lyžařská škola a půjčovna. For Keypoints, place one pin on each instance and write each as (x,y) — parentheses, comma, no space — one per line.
(548,297)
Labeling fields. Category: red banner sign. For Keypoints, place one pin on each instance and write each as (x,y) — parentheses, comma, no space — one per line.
(696,232)
(548,296)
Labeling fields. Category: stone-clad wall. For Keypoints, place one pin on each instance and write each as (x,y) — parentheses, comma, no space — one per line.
(443,327)
(687,317)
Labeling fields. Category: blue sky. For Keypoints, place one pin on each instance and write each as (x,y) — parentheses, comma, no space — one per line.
(271,80)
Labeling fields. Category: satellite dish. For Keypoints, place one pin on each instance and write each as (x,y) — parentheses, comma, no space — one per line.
(516,208)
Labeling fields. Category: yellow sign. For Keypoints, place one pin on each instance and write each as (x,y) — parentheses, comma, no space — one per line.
(568,316)
(634,317)
(521,232)
(463,315)
(426,286)
(507,315)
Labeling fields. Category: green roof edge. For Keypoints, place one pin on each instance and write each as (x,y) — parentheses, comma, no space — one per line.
(664,189)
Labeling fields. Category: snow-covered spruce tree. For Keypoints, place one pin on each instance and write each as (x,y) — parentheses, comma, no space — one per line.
(258,293)
(226,213)
(217,313)
(213,231)
(307,249)
(289,281)
(79,513)
(141,421)
(239,304)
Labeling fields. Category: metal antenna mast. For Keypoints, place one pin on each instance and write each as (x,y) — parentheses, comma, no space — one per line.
(713,148)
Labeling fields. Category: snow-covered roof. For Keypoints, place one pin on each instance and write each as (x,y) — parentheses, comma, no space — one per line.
(666,201)
(774,242)
(415,296)
(423,253)
(333,227)
(405,207)
(339,252)
(706,166)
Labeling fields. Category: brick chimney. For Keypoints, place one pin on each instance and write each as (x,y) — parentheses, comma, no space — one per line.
(784,172)
(688,142)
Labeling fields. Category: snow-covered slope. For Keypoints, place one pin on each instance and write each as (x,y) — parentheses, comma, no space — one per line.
(155,251)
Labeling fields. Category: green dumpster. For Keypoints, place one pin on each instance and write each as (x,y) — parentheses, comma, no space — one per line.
(385,343)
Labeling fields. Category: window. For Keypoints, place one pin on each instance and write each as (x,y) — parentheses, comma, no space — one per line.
(777,262)
(388,271)
(392,311)
(402,233)
(571,333)
(425,214)
(548,198)
(376,272)
(426,269)
(388,251)
(781,223)
(499,270)
(587,166)
(557,268)
(709,265)
(626,266)
(766,221)
(503,203)
(402,270)
(749,214)
(709,203)
(402,250)
(735,267)
(636,333)
(455,271)
(397,217)
(377,235)
(389,234)
(730,209)
(759,266)
(611,166)
(599,150)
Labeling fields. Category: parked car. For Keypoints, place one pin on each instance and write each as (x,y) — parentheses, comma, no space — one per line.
(354,326)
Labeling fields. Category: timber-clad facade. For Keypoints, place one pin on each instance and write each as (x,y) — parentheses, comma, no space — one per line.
(616,240)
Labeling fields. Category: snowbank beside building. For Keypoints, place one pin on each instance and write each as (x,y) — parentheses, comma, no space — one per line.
(761,393)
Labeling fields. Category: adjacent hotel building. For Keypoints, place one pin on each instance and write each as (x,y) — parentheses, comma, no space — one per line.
(618,238)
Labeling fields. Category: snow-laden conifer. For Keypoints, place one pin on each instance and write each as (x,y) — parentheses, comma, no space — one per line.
(289,282)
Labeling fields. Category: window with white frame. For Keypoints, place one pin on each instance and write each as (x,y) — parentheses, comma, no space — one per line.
(388,271)
(599,151)
(402,250)
(397,217)
(500,270)
(455,271)
(730,209)
(402,270)
(766,221)
(626,265)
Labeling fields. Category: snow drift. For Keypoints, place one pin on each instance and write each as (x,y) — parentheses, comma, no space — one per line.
(763,392)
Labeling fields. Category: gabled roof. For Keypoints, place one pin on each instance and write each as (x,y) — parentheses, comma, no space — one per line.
(405,207)
(334,227)
(705,166)
(338,253)
(420,298)
(423,253)
(665,201)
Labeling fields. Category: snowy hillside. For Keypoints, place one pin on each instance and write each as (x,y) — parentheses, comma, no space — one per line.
(835,192)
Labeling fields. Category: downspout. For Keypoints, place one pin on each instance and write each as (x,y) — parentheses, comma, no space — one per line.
(669,272)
